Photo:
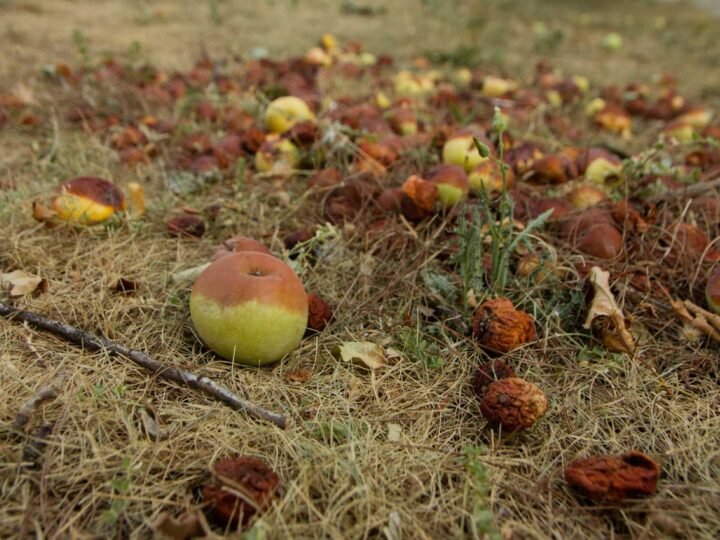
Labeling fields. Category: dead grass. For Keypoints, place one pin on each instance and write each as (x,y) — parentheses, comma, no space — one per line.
(342,477)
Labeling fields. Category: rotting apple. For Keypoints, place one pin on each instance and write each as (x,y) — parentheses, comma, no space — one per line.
(460,150)
(452,183)
(88,200)
(278,156)
(250,308)
(284,112)
(487,176)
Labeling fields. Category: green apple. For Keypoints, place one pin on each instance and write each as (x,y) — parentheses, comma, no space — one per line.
(279,156)
(461,150)
(250,308)
(452,183)
(284,112)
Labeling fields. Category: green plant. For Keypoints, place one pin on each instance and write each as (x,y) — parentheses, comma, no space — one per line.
(482,522)
(505,238)
(120,488)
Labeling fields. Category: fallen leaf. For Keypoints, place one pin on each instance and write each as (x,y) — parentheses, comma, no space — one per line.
(20,283)
(299,376)
(605,317)
(187,525)
(365,352)
(43,214)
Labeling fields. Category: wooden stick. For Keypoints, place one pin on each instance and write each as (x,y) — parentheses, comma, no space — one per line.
(186,378)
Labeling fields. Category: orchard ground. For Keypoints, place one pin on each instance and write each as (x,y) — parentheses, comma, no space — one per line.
(401,452)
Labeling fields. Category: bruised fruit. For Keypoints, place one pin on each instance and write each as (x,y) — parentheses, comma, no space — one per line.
(488,373)
(452,183)
(585,196)
(186,225)
(487,176)
(612,479)
(418,198)
(249,307)
(276,156)
(240,243)
(513,404)
(284,112)
(252,478)
(87,200)
(461,150)
(319,313)
(499,327)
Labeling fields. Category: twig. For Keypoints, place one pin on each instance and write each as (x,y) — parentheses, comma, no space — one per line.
(45,392)
(695,189)
(186,378)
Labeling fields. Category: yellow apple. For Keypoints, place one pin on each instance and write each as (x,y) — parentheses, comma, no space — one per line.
(250,308)
(284,112)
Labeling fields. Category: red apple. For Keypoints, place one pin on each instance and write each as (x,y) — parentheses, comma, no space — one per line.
(250,308)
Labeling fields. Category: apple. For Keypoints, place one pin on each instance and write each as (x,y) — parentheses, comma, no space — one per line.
(495,87)
(284,112)
(612,41)
(712,291)
(249,308)
(599,165)
(460,150)
(402,121)
(88,200)
(487,176)
(452,183)
(278,156)
(585,196)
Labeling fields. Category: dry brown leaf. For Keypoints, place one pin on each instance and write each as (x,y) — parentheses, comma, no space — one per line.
(19,283)
(298,376)
(605,317)
(43,214)
(364,352)
(187,525)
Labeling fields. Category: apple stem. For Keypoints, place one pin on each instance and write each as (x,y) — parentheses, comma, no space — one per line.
(92,342)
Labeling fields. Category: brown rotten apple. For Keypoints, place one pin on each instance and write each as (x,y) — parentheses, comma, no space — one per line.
(513,404)
(88,200)
(498,326)
(249,307)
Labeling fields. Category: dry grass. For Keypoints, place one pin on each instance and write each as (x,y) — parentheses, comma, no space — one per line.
(342,477)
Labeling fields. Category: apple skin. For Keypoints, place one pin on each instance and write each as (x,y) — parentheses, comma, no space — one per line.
(87,200)
(461,151)
(276,156)
(452,183)
(249,308)
(712,291)
(284,112)
(487,176)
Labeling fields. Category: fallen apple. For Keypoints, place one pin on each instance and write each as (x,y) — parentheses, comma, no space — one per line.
(284,112)
(452,183)
(487,176)
(461,150)
(250,308)
(87,200)
(277,156)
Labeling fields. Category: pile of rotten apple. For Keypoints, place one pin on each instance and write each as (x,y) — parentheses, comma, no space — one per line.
(273,119)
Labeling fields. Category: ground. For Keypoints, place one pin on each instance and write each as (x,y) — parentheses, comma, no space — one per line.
(398,452)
